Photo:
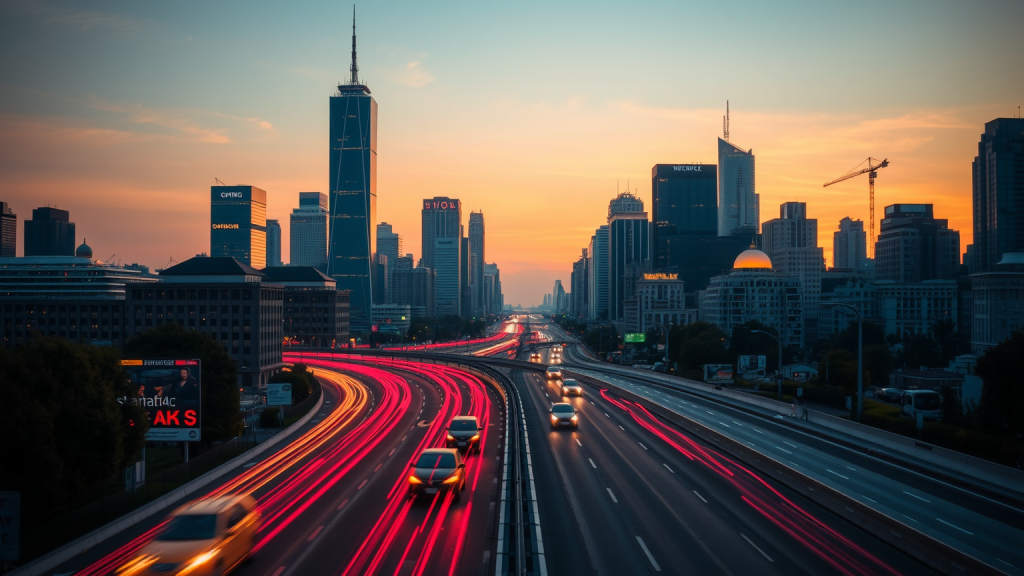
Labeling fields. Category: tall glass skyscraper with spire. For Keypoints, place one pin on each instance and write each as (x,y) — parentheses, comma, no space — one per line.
(353,191)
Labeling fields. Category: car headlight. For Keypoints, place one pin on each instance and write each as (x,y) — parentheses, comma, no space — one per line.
(475,437)
(450,437)
(414,480)
(553,417)
(451,479)
(574,418)
(200,560)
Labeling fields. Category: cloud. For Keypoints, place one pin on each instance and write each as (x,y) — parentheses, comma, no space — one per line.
(412,74)
(172,119)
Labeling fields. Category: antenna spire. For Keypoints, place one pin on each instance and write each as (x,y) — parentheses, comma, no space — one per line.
(355,67)
(725,121)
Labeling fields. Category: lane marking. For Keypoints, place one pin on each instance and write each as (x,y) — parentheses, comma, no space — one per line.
(642,445)
(868,499)
(849,468)
(955,526)
(911,519)
(578,443)
(916,496)
(392,451)
(699,496)
(606,415)
(790,443)
(648,552)
(620,428)
(724,424)
(669,469)
(592,465)
(837,474)
(314,534)
(767,557)
(361,484)
(342,505)
(756,430)
(614,499)
(783,449)
(378,466)
(737,423)
(710,412)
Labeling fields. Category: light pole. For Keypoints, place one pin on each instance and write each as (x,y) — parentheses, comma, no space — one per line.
(860,355)
(779,343)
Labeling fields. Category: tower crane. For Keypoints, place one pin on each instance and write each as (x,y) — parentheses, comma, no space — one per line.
(872,171)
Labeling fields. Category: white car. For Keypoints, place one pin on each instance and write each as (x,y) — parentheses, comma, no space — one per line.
(571,387)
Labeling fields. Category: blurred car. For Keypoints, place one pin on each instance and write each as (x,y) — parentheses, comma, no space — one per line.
(927,403)
(437,470)
(893,395)
(535,357)
(464,433)
(553,373)
(210,536)
(658,367)
(564,415)
(571,387)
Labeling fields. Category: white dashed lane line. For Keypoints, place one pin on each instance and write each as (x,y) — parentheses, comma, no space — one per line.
(916,496)
(783,449)
(955,526)
(790,443)
(642,445)
(837,474)
(578,442)
(649,555)
(614,499)
(592,465)
(699,496)
(749,541)
(669,469)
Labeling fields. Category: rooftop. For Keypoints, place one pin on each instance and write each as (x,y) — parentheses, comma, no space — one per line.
(211,266)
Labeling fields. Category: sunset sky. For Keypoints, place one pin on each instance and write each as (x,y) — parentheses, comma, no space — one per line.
(534,112)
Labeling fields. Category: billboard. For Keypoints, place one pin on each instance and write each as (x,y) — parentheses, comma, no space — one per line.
(279,394)
(636,337)
(718,373)
(170,390)
(751,364)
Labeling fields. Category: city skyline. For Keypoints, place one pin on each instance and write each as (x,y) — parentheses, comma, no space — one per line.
(99,147)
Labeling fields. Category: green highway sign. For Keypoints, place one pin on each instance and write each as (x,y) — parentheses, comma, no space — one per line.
(635,337)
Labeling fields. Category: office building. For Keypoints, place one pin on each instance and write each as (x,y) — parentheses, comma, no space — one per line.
(352,189)
(392,318)
(849,245)
(791,243)
(684,201)
(222,297)
(314,311)
(998,183)
(661,301)
(447,254)
(492,289)
(274,243)
(388,244)
(597,252)
(50,232)
(379,275)
(238,224)
(914,246)
(558,298)
(441,218)
(308,231)
(997,298)
(753,290)
(466,294)
(628,249)
(477,257)
(578,287)
(423,287)
(900,308)
(738,201)
(8,232)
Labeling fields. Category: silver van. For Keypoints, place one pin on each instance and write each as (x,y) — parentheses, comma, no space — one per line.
(924,402)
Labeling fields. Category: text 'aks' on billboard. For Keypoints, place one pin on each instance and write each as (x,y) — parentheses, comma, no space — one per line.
(170,390)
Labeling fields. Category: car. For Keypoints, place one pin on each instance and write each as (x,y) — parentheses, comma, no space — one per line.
(564,415)
(437,470)
(535,357)
(658,367)
(557,350)
(892,395)
(554,373)
(927,403)
(571,387)
(210,536)
(464,433)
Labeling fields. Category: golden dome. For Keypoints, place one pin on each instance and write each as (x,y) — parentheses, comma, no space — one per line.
(752,259)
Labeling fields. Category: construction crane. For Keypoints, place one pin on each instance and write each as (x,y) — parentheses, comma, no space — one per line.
(872,171)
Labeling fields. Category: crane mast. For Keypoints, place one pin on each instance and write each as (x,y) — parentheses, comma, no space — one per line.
(873,165)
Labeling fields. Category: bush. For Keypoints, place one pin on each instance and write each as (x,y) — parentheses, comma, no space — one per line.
(270,417)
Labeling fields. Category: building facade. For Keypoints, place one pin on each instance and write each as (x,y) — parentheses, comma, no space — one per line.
(997,298)
(392,318)
(8,232)
(791,242)
(900,308)
(50,232)
(849,245)
(314,311)
(661,301)
(274,243)
(684,201)
(477,257)
(447,255)
(998,190)
(578,287)
(628,257)
(597,282)
(388,244)
(738,202)
(441,217)
(238,224)
(308,231)
(914,246)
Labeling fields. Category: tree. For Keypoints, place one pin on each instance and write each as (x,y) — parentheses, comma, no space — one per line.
(877,365)
(841,368)
(745,342)
(220,395)
(1002,396)
(847,338)
(603,339)
(945,334)
(696,344)
(919,350)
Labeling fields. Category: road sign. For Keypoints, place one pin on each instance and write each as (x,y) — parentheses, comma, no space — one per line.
(279,394)
(10,525)
(636,337)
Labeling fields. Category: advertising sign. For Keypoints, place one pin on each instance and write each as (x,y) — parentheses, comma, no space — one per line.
(171,393)
(751,364)
(636,337)
(279,394)
(718,373)
(10,524)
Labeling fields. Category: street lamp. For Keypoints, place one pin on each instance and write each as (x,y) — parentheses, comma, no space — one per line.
(860,355)
(779,343)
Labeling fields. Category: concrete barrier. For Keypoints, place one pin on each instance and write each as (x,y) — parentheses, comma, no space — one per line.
(68,551)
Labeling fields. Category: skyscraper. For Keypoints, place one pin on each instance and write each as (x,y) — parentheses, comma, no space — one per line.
(273,243)
(447,280)
(791,242)
(849,245)
(738,203)
(914,246)
(353,191)
(308,231)
(476,261)
(238,224)
(8,231)
(998,193)
(628,252)
(466,294)
(441,218)
(49,233)
(389,244)
(684,202)
(597,251)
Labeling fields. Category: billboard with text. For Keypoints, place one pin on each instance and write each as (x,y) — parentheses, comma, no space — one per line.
(170,390)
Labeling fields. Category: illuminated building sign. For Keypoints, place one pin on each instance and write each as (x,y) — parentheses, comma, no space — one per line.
(687,168)
(232,194)
(440,204)
(225,226)
(171,393)
(661,276)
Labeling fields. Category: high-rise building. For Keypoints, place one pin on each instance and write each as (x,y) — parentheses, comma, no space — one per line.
(388,244)
(597,251)
(381,278)
(791,242)
(441,218)
(578,287)
(492,289)
(738,202)
(424,299)
(315,312)
(273,243)
(998,173)
(238,224)
(628,253)
(50,232)
(914,246)
(8,231)
(353,192)
(466,294)
(849,245)
(309,231)
(447,254)
(476,261)
(684,201)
